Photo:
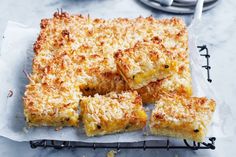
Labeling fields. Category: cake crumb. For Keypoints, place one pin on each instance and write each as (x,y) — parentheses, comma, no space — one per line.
(10,94)
(58,128)
(111,153)
(25,130)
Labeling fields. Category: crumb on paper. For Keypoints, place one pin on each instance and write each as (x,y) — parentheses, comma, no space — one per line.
(111,153)
(18,116)
(10,93)
(58,128)
(25,130)
(145,132)
(147,109)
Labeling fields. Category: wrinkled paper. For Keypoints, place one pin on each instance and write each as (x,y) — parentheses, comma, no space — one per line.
(16,55)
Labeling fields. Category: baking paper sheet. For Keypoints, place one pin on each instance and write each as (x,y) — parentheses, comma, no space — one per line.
(16,55)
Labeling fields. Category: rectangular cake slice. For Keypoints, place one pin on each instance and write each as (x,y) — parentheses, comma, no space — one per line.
(180,82)
(52,96)
(146,62)
(112,113)
(181,117)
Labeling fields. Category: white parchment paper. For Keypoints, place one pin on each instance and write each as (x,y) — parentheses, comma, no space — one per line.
(16,55)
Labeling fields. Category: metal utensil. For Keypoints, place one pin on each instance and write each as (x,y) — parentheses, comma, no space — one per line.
(165,2)
(179,6)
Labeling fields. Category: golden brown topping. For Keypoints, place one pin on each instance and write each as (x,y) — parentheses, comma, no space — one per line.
(182,117)
(65,33)
(112,113)
(44,23)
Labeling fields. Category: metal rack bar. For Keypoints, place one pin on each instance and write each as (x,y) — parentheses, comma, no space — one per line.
(137,145)
(207,56)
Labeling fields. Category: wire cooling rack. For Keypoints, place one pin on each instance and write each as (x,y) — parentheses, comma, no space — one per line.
(136,145)
(163,144)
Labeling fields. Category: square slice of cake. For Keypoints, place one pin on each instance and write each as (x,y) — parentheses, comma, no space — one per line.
(181,117)
(146,62)
(112,113)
